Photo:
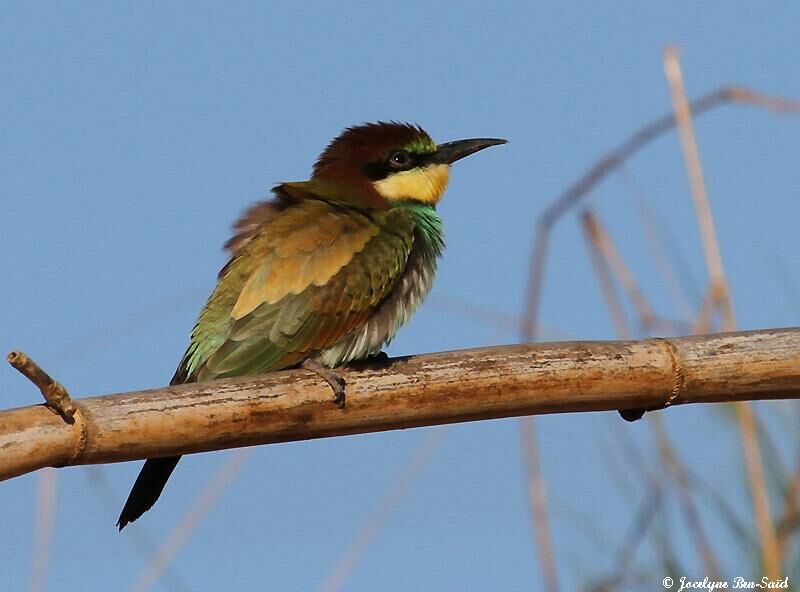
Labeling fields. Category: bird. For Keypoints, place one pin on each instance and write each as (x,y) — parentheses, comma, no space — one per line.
(325,271)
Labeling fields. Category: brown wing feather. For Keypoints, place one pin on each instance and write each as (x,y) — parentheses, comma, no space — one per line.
(296,299)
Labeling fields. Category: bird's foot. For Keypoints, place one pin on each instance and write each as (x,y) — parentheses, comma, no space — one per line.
(333,378)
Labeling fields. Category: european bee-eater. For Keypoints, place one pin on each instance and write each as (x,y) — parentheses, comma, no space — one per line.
(325,272)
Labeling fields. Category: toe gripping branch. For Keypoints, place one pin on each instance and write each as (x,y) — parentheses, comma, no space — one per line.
(333,378)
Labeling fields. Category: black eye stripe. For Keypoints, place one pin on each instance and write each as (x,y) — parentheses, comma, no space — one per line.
(383,168)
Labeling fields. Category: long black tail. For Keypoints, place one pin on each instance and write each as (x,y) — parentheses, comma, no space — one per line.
(149,485)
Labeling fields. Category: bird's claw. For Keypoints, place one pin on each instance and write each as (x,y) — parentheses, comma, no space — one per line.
(338,392)
(333,378)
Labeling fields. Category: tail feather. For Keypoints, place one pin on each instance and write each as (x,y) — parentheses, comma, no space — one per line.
(149,485)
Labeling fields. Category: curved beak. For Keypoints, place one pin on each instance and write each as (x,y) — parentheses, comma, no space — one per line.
(449,152)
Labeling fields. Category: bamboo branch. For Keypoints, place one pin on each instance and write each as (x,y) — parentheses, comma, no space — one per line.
(431,389)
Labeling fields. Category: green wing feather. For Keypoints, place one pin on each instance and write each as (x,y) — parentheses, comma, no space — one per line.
(310,274)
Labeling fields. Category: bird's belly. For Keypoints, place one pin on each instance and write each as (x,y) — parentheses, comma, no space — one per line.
(380,328)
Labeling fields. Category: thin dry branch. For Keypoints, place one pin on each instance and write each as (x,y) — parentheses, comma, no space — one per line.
(653,233)
(612,161)
(720,299)
(422,390)
(202,505)
(46,495)
(604,250)
(537,499)
(787,526)
(400,488)
(597,245)
(669,459)
(697,183)
(602,243)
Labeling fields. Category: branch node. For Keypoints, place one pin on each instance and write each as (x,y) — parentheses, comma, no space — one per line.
(678,384)
(678,376)
(83,437)
(55,395)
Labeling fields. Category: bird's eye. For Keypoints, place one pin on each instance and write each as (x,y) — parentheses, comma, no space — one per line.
(400,159)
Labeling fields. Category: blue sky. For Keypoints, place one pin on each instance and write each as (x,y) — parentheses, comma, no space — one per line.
(132,134)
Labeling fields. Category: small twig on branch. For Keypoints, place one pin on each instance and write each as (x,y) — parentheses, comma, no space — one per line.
(54,393)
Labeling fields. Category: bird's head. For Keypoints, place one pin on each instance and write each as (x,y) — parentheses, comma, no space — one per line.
(379,163)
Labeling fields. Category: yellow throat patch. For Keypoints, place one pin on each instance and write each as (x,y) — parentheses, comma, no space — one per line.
(426,184)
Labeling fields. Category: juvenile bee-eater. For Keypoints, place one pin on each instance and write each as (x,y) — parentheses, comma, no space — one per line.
(325,272)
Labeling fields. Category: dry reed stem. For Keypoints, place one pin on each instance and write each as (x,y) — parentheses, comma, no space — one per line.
(537,499)
(604,246)
(770,553)
(202,505)
(691,515)
(603,249)
(648,320)
(46,496)
(791,515)
(612,161)
(719,294)
(694,171)
(790,289)
(704,321)
(397,492)
(655,241)
(140,540)
(599,259)
(626,552)
(504,322)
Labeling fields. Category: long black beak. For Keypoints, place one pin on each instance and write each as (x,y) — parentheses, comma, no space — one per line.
(450,152)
